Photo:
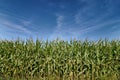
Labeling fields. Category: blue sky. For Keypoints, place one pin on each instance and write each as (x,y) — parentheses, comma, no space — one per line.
(66,19)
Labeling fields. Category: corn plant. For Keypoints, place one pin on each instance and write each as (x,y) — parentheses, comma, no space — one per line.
(59,59)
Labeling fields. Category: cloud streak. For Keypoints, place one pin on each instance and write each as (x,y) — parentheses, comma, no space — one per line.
(87,21)
(58,28)
(13,26)
(10,29)
(20,22)
(60,19)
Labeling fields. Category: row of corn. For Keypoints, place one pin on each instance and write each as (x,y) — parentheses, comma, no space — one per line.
(59,59)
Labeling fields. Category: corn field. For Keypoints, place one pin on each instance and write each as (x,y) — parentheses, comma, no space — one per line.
(60,60)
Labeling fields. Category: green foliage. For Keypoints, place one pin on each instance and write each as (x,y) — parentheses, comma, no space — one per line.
(59,59)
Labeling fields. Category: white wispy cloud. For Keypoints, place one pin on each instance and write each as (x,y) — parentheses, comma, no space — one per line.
(84,22)
(60,19)
(58,28)
(9,29)
(88,21)
(82,30)
(14,26)
(7,21)
(25,22)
